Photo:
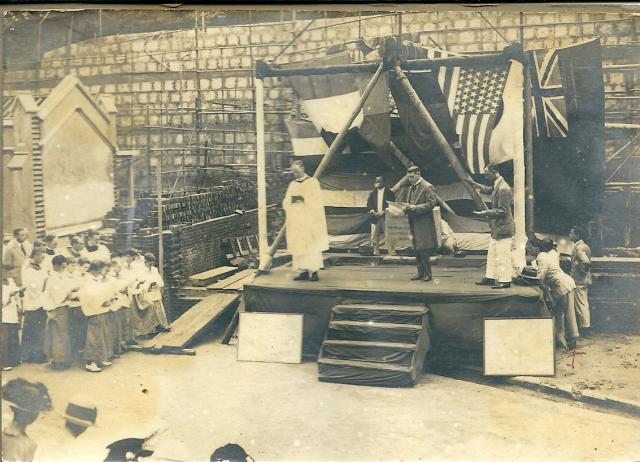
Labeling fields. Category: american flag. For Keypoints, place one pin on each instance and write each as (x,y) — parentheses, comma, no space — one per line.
(474,97)
(548,102)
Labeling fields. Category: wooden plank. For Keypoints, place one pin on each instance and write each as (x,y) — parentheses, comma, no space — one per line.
(233,325)
(239,285)
(230,280)
(208,277)
(193,321)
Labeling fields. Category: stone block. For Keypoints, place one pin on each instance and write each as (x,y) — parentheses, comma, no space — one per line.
(242,82)
(605,29)
(234,63)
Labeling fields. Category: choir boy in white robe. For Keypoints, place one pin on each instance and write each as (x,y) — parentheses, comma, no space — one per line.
(34,278)
(75,250)
(148,311)
(10,324)
(50,250)
(94,250)
(119,287)
(306,223)
(77,274)
(57,296)
(95,298)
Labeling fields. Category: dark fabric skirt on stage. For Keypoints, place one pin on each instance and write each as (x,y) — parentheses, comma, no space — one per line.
(457,306)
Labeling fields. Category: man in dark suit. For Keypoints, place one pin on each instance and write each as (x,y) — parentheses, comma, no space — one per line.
(377,203)
(418,200)
(499,268)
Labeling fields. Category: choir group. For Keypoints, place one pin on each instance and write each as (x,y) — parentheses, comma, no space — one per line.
(80,302)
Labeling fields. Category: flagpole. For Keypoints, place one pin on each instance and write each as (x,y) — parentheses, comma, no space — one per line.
(439,137)
(263,244)
(333,150)
(528,138)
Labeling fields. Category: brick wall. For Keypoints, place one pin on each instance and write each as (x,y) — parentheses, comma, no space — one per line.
(154,78)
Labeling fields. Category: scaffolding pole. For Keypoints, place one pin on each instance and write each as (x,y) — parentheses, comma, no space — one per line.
(528,138)
(263,243)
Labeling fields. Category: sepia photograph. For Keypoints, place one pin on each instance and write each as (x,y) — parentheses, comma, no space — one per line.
(320,233)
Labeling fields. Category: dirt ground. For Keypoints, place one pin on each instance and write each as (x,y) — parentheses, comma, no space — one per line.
(281,412)
(608,363)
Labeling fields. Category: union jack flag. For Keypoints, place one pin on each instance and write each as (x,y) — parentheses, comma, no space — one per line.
(548,96)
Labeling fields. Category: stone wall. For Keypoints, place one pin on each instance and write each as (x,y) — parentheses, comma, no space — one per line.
(155,76)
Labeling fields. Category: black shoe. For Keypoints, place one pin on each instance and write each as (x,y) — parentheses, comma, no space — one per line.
(304,276)
(417,277)
(427,278)
(314,276)
(486,282)
(501,285)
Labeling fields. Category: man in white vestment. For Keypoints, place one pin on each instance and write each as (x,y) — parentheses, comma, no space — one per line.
(305,223)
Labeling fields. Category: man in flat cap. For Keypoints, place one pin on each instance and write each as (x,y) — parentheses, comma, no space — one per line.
(419,199)
(306,223)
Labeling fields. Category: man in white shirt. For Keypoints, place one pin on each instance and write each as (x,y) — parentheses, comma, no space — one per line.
(377,203)
(16,253)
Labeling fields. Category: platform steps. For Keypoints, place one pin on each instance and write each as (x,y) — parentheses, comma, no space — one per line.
(375,344)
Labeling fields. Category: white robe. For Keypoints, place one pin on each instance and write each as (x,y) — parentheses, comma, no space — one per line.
(306,224)
(57,291)
(93,295)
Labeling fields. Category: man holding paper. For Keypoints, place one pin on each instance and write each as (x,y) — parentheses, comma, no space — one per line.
(500,216)
(417,202)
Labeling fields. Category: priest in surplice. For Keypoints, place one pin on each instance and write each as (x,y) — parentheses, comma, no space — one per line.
(306,224)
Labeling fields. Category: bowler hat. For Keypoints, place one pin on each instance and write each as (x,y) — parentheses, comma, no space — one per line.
(529,272)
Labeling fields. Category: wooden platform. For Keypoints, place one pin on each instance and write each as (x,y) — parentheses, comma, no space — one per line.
(456,303)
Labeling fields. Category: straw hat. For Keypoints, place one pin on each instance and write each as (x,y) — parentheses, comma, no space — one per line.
(27,396)
(80,415)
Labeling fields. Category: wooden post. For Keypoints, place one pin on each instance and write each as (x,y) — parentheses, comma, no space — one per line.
(528,139)
(149,172)
(441,141)
(627,215)
(160,231)
(333,150)
(261,161)
(132,184)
